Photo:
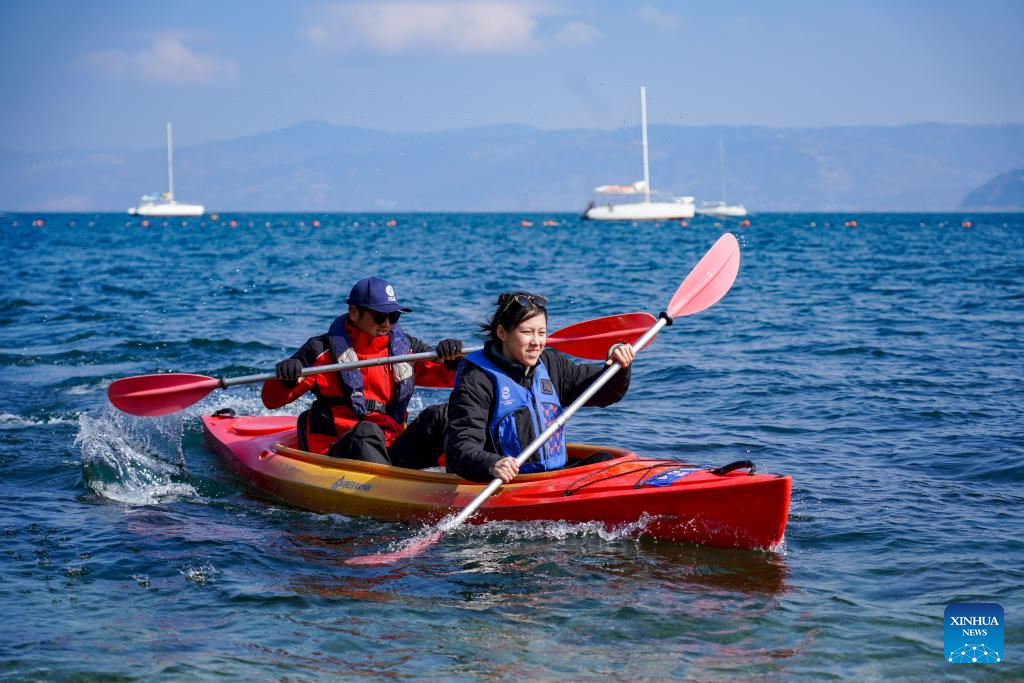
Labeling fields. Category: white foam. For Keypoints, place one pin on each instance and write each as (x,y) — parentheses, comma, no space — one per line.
(560,530)
(84,389)
(11,421)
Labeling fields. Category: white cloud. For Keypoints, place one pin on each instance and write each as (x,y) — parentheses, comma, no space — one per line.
(449,27)
(577,33)
(167,60)
(658,18)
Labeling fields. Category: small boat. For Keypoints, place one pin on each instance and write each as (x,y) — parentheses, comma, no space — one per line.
(674,208)
(658,498)
(721,208)
(163,203)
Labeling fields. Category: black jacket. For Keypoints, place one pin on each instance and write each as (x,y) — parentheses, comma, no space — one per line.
(468,448)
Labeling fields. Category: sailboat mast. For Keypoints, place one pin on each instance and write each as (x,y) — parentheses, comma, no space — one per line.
(721,165)
(643,125)
(170,165)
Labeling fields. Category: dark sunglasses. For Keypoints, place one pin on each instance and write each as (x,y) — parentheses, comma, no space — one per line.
(521,298)
(379,317)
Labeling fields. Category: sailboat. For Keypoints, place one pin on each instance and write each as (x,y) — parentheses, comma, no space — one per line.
(721,208)
(164,204)
(646,210)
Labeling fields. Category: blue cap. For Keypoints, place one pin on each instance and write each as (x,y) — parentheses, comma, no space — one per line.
(376,294)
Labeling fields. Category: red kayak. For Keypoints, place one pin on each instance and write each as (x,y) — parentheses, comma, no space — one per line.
(663,499)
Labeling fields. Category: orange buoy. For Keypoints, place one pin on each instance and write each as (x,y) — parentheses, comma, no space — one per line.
(851,224)
(233,224)
(316,224)
(967,224)
(391,223)
(145,224)
(526,223)
(683,224)
(745,223)
(214,217)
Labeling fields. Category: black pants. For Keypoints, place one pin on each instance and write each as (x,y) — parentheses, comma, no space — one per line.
(419,446)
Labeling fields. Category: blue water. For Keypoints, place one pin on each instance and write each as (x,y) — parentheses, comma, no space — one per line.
(879,365)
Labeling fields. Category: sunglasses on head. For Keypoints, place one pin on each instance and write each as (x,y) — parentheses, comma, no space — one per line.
(521,298)
(379,317)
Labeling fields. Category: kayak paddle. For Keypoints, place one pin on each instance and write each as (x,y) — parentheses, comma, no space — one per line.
(152,395)
(708,282)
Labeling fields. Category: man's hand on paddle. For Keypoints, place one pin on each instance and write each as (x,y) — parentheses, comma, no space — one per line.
(505,469)
(449,352)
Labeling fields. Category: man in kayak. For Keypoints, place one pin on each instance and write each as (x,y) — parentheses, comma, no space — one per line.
(361,413)
(511,391)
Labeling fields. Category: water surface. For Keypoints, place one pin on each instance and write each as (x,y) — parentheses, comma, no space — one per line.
(879,365)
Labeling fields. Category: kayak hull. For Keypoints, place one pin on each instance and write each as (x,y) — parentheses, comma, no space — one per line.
(735,510)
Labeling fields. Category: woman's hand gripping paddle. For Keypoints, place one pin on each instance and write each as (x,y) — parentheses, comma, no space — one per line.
(152,395)
(708,282)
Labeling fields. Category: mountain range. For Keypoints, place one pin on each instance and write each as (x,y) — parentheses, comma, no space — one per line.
(315,166)
(1005,192)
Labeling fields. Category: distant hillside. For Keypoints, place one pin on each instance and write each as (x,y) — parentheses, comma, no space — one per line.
(321,167)
(1005,192)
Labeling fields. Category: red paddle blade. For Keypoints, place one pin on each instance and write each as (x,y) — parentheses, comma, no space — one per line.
(710,279)
(152,395)
(591,338)
(414,547)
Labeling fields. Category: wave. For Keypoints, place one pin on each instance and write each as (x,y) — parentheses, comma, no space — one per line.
(11,421)
(196,343)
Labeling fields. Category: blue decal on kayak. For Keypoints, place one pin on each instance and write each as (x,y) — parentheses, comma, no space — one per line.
(668,477)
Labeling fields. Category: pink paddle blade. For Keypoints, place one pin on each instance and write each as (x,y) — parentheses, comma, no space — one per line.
(152,395)
(710,279)
(592,338)
(412,548)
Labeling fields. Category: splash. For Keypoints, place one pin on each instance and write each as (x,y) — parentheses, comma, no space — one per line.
(199,574)
(132,460)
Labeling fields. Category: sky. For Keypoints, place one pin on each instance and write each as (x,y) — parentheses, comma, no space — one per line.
(107,74)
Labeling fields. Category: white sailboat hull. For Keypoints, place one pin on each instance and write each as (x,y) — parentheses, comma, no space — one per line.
(167,209)
(723,211)
(641,211)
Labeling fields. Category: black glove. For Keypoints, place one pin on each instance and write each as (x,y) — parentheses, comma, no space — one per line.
(288,370)
(450,348)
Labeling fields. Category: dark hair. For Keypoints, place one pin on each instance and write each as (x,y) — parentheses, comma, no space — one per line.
(512,309)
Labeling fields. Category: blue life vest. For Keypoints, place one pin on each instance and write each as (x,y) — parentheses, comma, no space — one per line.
(540,401)
(352,380)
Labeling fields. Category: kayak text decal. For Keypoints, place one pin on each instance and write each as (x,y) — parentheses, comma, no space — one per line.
(344,483)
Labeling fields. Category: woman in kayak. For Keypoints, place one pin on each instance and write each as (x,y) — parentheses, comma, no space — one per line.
(360,414)
(511,391)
